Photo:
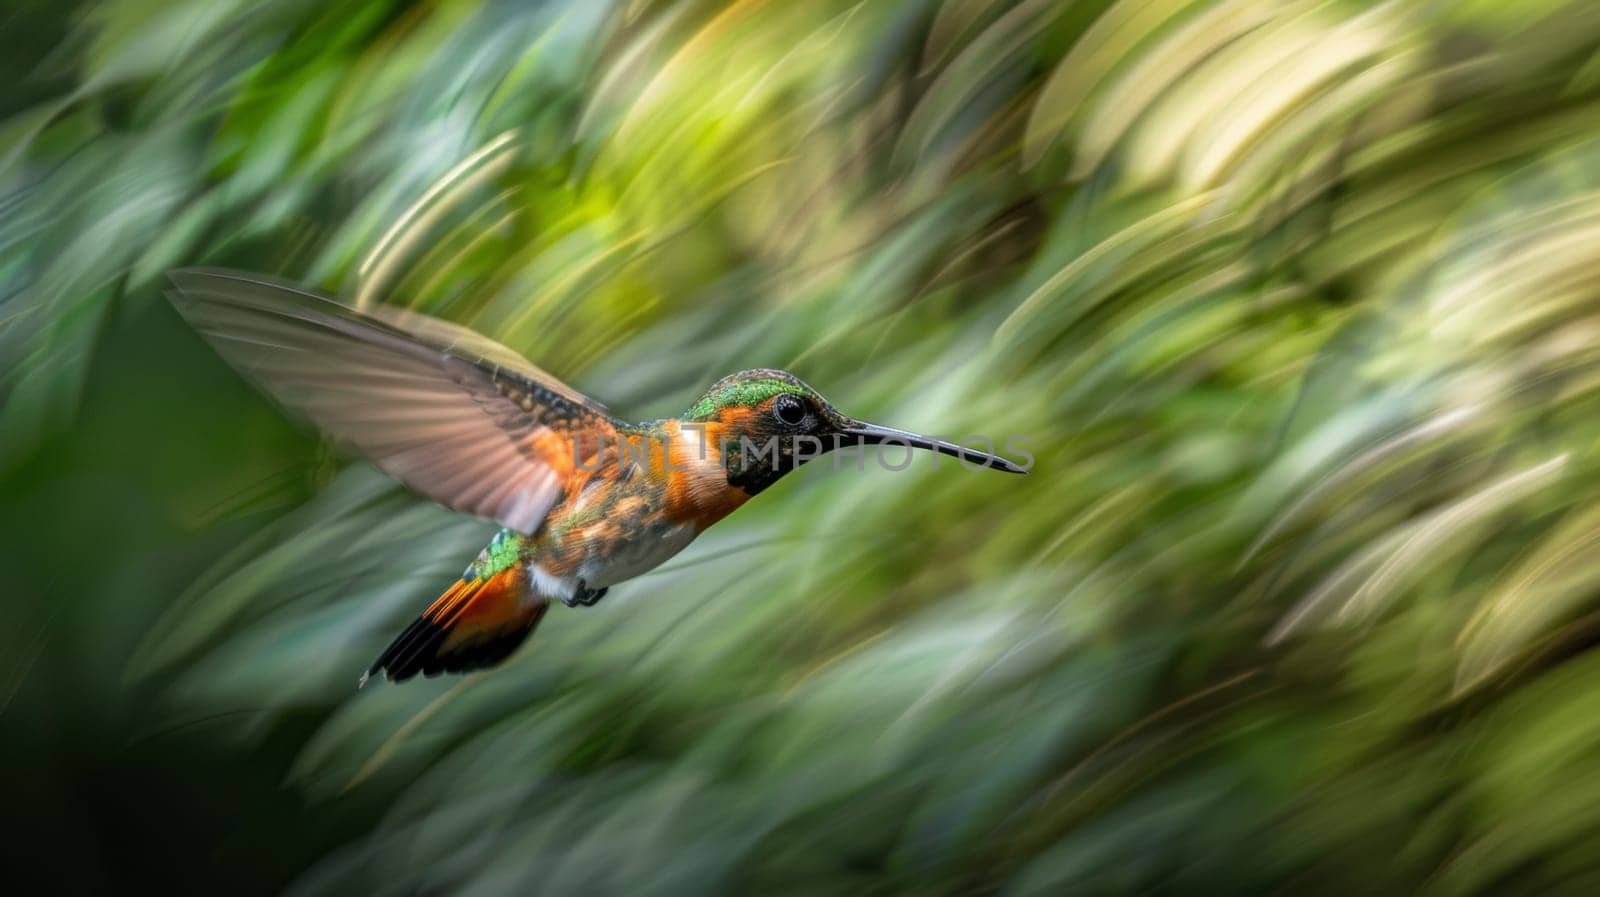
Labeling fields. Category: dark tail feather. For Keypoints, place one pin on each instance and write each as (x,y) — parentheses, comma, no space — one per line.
(476,624)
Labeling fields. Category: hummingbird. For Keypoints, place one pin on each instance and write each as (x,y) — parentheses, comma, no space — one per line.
(584,499)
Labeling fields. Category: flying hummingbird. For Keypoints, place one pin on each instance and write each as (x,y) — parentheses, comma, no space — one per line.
(585,500)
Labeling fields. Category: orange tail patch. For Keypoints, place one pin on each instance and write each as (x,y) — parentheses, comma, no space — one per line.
(476,623)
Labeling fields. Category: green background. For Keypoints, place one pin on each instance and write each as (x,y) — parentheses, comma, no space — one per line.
(1295,302)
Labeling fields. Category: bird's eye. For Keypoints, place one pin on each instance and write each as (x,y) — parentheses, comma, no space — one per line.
(789,409)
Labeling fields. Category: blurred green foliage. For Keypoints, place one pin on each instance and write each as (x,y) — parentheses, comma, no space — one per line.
(1296,302)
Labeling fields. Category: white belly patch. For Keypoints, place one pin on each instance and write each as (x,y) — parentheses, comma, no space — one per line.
(548,585)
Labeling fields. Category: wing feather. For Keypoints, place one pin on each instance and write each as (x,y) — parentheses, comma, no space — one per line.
(452,414)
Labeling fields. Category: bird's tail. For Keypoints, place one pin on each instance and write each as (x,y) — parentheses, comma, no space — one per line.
(476,623)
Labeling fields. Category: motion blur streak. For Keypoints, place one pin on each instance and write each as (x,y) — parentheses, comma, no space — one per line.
(1297,304)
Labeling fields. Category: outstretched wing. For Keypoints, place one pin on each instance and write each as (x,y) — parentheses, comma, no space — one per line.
(452,414)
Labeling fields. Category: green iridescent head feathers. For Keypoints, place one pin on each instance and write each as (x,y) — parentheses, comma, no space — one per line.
(747,388)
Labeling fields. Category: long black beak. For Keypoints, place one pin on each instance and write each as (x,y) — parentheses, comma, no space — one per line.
(862,433)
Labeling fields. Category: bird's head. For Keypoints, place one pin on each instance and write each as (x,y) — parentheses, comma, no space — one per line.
(767,422)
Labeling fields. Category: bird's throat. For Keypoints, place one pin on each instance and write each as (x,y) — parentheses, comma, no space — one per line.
(698,489)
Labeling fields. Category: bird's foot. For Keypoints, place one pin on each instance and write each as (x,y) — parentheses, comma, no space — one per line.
(585,596)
